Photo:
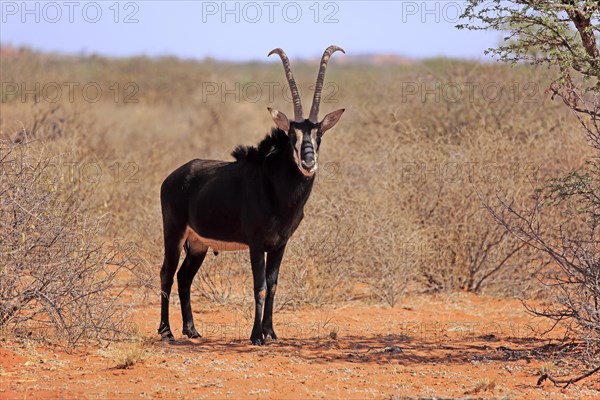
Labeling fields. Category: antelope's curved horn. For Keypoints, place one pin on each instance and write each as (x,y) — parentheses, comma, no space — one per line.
(298,116)
(314,110)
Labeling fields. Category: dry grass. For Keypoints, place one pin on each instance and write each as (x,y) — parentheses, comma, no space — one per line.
(482,385)
(396,206)
(548,368)
(132,352)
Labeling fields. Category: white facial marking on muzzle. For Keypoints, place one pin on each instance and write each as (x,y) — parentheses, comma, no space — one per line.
(298,152)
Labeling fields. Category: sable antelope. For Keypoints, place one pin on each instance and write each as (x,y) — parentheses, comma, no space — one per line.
(255,202)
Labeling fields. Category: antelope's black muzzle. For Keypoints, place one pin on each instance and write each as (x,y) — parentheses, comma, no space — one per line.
(307,155)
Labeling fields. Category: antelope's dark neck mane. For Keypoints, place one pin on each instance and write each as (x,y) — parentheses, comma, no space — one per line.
(288,187)
(271,144)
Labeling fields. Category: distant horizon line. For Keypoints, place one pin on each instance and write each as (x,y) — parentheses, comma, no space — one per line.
(370,58)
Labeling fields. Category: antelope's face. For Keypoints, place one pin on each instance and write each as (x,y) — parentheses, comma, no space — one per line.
(305,134)
(305,138)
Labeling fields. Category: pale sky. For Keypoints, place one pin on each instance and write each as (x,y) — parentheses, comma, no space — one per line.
(241,30)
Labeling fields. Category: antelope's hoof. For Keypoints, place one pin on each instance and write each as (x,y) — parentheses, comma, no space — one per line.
(192,333)
(258,341)
(165,333)
(167,336)
(269,334)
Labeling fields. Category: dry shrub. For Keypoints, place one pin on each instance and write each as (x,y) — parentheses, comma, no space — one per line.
(389,267)
(317,264)
(416,170)
(219,277)
(570,245)
(58,279)
(464,249)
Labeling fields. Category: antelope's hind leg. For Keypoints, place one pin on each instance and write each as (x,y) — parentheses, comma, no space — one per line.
(196,251)
(173,245)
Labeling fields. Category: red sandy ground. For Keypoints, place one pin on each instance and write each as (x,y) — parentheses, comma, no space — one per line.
(460,346)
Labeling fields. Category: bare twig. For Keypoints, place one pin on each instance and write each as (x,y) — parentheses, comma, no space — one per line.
(566,382)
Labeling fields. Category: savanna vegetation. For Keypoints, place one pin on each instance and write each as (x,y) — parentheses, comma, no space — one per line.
(562,36)
(397,209)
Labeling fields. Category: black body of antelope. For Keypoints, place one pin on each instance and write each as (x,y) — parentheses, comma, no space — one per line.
(255,202)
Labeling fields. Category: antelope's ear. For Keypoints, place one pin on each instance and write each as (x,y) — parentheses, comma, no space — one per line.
(331,119)
(281,121)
